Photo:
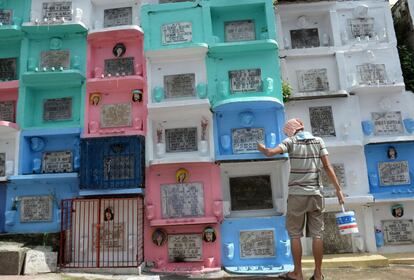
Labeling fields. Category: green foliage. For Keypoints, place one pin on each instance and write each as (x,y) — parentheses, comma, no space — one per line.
(407,66)
(286,91)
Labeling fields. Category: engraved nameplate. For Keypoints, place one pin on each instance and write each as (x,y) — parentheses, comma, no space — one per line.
(2,164)
(57,59)
(394,173)
(242,30)
(304,38)
(119,167)
(246,80)
(388,123)
(181,140)
(111,235)
(36,209)
(322,121)
(6,17)
(257,244)
(251,193)
(313,80)
(181,85)
(371,74)
(185,248)
(178,32)
(57,109)
(182,200)
(328,188)
(57,10)
(55,162)
(116,115)
(7,111)
(120,66)
(245,139)
(398,232)
(8,69)
(117,17)
(361,27)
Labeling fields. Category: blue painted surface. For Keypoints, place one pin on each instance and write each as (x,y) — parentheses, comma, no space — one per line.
(230,231)
(59,186)
(3,196)
(377,153)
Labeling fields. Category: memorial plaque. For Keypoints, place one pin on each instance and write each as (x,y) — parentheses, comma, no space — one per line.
(251,193)
(313,80)
(177,32)
(369,73)
(116,115)
(181,85)
(36,209)
(2,164)
(111,235)
(246,80)
(8,69)
(181,140)
(119,167)
(329,188)
(7,112)
(245,139)
(185,248)
(38,261)
(398,232)
(322,122)
(117,16)
(241,30)
(361,27)
(6,17)
(57,109)
(120,66)
(57,10)
(388,123)
(333,241)
(57,59)
(257,244)
(182,200)
(394,173)
(56,162)
(304,38)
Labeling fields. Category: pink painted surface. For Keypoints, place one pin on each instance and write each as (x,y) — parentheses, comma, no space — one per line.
(9,92)
(209,175)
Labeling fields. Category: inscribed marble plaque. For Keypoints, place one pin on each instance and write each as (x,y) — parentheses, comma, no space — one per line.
(313,80)
(38,261)
(182,200)
(394,173)
(8,69)
(57,109)
(241,30)
(398,232)
(322,122)
(57,10)
(329,188)
(116,115)
(361,27)
(185,248)
(257,244)
(177,32)
(117,16)
(246,80)
(388,123)
(181,85)
(181,140)
(7,111)
(369,73)
(111,235)
(245,139)
(57,59)
(36,209)
(2,164)
(119,167)
(55,162)
(333,241)
(6,17)
(251,193)
(304,38)
(120,66)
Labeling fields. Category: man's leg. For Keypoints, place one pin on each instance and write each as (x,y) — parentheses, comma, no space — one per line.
(296,248)
(317,249)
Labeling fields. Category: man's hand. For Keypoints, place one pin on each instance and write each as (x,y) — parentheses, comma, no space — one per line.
(268,151)
(261,147)
(341,197)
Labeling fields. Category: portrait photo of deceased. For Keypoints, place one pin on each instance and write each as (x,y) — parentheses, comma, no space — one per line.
(304,38)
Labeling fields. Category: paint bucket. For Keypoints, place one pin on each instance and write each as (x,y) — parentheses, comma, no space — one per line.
(346,222)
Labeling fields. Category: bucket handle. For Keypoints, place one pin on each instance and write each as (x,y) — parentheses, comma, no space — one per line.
(343,208)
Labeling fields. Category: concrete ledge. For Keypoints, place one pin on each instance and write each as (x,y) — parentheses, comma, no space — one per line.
(349,260)
(401,258)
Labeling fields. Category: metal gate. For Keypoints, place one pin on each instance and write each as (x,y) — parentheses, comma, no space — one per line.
(106,232)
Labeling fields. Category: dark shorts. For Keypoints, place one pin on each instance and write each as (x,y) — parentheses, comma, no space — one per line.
(305,209)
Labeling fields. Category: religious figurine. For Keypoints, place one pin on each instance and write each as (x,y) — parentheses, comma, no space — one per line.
(392,152)
(137,95)
(95,98)
(119,50)
(209,234)
(108,214)
(397,210)
(181,175)
(159,237)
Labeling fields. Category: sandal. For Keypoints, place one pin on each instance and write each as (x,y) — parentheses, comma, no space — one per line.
(285,276)
(313,277)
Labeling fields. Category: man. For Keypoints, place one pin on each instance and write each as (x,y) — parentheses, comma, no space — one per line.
(307,154)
